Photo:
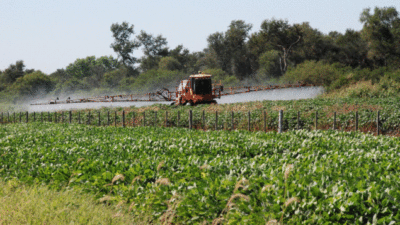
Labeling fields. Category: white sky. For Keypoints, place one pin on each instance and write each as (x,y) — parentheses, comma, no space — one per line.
(48,35)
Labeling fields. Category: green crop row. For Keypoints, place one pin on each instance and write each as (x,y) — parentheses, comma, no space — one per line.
(189,176)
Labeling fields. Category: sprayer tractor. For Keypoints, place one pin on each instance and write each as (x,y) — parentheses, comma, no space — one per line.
(198,89)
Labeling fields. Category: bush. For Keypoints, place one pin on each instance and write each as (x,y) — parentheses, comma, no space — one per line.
(313,72)
(269,64)
(169,63)
(113,78)
(71,86)
(126,84)
(33,84)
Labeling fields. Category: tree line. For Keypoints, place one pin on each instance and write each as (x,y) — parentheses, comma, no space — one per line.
(277,51)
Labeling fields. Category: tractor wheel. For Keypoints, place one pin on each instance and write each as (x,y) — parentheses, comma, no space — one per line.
(213,102)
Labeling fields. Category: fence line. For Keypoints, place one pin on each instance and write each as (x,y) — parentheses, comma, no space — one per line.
(169,120)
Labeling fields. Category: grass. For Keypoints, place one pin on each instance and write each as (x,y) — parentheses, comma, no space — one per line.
(36,204)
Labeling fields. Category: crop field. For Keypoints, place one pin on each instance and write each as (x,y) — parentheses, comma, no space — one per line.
(189,176)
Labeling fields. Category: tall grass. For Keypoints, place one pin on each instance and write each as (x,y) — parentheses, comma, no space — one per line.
(21,204)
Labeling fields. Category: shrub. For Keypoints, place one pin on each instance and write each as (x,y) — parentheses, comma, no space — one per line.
(313,72)
(269,64)
(32,84)
(169,63)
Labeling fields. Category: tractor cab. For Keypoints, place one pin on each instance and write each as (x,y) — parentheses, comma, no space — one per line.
(201,85)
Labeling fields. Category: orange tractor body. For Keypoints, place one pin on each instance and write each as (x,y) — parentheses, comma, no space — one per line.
(198,89)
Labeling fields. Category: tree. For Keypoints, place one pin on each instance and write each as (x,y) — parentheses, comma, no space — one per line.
(81,68)
(32,84)
(91,67)
(270,64)
(113,78)
(353,49)
(279,35)
(13,72)
(122,45)
(107,63)
(101,66)
(207,59)
(380,30)
(217,46)
(193,62)
(236,37)
(231,50)
(312,46)
(169,63)
(188,61)
(154,48)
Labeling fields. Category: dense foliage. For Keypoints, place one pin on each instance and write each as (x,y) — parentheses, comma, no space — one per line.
(193,176)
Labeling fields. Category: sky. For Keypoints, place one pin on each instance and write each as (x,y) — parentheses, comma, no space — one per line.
(50,34)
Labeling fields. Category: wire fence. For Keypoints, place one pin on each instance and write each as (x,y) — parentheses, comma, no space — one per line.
(258,121)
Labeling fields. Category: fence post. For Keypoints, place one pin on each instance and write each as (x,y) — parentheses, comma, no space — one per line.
(265,121)
(79,117)
(34,117)
(190,119)
(377,124)
(2,117)
(144,118)
(41,117)
(99,120)
(179,117)
(115,118)
(55,117)
(89,118)
(248,125)
(70,116)
(316,120)
(20,117)
(123,118)
(108,118)
(14,117)
(204,120)
(298,120)
(133,119)
(166,118)
(155,118)
(232,120)
(27,117)
(334,120)
(280,121)
(8,116)
(62,117)
(48,116)
(216,120)
(356,120)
